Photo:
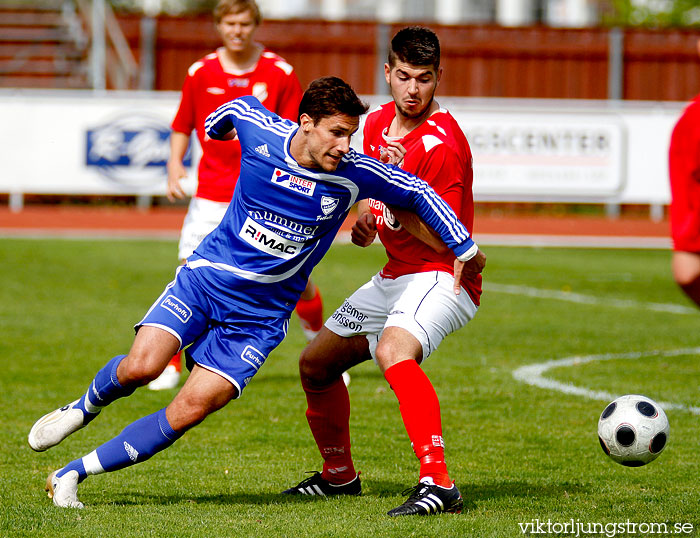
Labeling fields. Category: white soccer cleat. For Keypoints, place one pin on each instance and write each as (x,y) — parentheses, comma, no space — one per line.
(346,378)
(64,490)
(169,379)
(53,428)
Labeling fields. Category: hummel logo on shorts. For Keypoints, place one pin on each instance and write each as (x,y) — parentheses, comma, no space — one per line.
(262,150)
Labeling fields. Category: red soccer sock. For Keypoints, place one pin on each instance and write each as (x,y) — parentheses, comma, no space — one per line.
(420,410)
(176,361)
(328,414)
(310,311)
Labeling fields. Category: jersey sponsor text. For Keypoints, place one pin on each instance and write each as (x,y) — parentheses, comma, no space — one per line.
(268,241)
(177,307)
(293,183)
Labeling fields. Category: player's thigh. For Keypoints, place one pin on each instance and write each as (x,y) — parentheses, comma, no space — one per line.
(237,344)
(201,219)
(181,310)
(425,305)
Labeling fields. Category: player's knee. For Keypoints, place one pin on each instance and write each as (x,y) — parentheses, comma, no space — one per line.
(189,410)
(310,368)
(139,368)
(386,352)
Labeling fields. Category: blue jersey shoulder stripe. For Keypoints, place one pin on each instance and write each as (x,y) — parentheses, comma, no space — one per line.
(266,121)
(219,122)
(221,118)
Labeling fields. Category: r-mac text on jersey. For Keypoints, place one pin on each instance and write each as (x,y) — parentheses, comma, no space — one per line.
(271,243)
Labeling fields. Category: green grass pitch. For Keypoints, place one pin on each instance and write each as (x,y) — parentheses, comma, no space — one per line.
(520,454)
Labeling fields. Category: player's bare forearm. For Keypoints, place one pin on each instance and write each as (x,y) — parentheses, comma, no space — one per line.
(418,228)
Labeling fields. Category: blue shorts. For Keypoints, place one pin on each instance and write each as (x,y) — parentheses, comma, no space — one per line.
(221,336)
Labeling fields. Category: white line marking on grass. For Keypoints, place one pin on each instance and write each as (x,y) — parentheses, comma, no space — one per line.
(532,374)
(587,299)
(573,241)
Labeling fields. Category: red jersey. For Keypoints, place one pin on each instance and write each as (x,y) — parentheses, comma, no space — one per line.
(684,170)
(207,86)
(437,152)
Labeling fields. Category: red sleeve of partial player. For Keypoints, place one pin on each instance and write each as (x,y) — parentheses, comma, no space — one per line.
(443,171)
(289,98)
(368,132)
(684,171)
(184,121)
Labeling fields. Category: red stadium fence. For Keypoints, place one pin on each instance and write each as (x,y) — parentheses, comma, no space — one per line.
(480,61)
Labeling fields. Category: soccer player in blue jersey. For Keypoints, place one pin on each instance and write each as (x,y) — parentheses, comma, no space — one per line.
(230,304)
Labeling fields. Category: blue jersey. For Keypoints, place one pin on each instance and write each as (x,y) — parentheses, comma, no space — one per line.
(283,218)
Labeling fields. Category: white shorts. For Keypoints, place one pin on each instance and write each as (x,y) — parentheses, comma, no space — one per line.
(202,217)
(424,304)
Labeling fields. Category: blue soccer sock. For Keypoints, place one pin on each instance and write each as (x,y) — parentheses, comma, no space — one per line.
(103,390)
(136,443)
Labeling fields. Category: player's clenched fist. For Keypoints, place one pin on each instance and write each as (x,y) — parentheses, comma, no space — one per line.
(364,230)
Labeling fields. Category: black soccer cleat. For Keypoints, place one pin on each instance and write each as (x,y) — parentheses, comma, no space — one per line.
(317,485)
(426,499)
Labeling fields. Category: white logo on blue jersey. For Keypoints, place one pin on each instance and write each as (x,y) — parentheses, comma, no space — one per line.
(268,241)
(288,181)
(253,356)
(175,306)
(328,204)
(262,150)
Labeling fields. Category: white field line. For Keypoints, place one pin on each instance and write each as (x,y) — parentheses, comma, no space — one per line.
(532,374)
(580,298)
(573,241)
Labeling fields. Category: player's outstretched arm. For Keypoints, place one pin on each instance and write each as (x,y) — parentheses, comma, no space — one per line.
(219,124)
(418,228)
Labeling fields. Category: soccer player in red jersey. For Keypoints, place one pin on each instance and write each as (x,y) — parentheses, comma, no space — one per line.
(404,312)
(684,170)
(239,67)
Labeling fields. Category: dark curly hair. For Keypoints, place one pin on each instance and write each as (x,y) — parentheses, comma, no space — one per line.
(415,45)
(327,96)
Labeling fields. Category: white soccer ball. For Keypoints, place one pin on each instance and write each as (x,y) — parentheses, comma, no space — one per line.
(633,430)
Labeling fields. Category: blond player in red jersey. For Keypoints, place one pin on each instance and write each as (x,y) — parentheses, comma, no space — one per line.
(401,315)
(684,171)
(239,67)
